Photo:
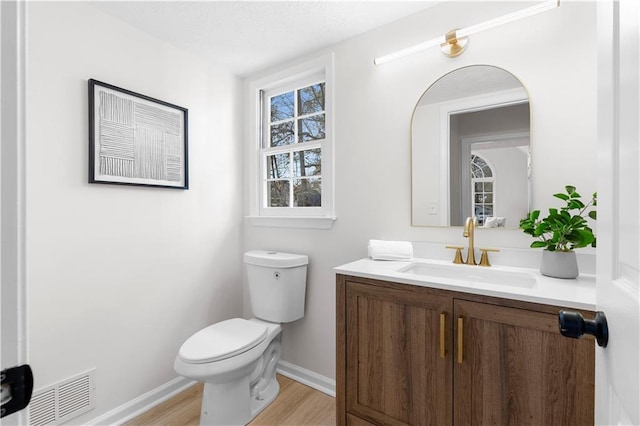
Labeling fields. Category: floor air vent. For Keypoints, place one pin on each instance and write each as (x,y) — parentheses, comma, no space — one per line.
(63,401)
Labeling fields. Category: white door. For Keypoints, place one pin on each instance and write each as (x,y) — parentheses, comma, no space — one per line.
(618,256)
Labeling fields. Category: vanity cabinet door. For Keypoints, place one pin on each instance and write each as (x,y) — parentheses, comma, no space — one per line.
(395,371)
(516,368)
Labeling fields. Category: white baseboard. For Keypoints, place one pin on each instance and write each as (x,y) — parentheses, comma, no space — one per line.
(134,408)
(308,377)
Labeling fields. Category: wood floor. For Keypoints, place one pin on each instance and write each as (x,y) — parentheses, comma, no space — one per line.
(296,405)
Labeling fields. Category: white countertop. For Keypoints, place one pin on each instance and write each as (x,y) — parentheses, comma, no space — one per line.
(579,293)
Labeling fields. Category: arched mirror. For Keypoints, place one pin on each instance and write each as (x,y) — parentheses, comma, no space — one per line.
(470,150)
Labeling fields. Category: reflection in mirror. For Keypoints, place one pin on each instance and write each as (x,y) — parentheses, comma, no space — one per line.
(471,150)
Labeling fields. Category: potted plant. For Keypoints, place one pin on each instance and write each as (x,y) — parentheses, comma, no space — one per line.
(562,231)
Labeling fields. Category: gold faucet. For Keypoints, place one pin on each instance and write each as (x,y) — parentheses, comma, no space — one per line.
(484,258)
(469,227)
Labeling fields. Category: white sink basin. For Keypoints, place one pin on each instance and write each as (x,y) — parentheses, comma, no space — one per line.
(471,274)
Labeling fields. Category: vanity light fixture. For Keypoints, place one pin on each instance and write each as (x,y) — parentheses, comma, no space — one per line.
(455,42)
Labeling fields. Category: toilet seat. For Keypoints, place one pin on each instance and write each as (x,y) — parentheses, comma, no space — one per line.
(222,340)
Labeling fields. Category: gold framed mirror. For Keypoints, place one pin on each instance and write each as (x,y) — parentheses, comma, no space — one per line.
(471,150)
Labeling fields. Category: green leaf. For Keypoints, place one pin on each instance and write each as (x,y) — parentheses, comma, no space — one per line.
(570,189)
(592,214)
(534,215)
(586,238)
(564,197)
(577,221)
(575,205)
(538,244)
(540,229)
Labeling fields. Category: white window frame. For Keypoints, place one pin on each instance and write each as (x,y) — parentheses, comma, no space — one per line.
(302,75)
(492,179)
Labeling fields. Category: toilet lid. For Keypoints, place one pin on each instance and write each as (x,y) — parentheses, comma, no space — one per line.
(222,340)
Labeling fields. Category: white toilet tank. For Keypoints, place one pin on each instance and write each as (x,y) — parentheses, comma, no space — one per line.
(277,284)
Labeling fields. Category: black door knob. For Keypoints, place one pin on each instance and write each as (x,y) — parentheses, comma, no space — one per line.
(572,324)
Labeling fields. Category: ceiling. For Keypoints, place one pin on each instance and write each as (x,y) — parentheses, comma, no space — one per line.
(249,36)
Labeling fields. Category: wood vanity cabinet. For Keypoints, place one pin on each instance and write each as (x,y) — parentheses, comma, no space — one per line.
(411,355)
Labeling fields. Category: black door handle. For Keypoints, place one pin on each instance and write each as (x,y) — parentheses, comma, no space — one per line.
(17,387)
(572,324)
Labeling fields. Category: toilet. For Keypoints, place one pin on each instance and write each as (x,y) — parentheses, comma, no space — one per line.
(237,358)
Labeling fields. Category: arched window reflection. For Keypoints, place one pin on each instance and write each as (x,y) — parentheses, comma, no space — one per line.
(483,188)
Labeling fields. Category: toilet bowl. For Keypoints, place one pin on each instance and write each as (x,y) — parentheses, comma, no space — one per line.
(237,358)
(238,371)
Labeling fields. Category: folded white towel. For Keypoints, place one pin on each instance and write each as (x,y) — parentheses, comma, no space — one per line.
(390,250)
(495,222)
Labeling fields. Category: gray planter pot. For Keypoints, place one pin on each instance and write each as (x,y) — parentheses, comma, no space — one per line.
(559,264)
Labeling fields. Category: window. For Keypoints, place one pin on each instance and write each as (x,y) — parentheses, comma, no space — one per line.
(482,184)
(292,146)
(291,177)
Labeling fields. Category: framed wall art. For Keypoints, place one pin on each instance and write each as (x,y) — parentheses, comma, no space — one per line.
(135,139)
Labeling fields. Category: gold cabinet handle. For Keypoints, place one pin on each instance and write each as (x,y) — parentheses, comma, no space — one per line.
(443,320)
(460,339)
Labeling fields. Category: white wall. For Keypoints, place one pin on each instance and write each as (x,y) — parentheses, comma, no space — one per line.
(427,209)
(510,171)
(553,54)
(118,277)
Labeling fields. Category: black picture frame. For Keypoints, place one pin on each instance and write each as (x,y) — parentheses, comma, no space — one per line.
(135,139)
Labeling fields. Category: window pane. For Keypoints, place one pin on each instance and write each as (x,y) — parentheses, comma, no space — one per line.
(278,193)
(488,187)
(307,192)
(282,107)
(278,166)
(483,211)
(478,186)
(307,163)
(475,171)
(282,134)
(311,99)
(311,128)
(488,198)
